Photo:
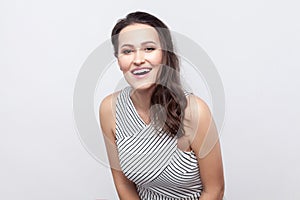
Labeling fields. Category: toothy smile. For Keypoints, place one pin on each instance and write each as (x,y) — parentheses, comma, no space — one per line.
(141,71)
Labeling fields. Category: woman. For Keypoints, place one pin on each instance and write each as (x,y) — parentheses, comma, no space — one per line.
(156,132)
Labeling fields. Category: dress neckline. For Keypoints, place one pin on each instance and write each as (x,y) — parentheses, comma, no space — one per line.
(129,89)
(134,109)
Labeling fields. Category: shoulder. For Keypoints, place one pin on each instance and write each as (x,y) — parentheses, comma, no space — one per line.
(107,113)
(109,102)
(197,109)
(201,120)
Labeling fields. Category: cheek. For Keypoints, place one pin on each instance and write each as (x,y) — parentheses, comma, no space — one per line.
(155,58)
(124,63)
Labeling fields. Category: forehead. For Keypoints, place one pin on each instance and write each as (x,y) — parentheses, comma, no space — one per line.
(136,34)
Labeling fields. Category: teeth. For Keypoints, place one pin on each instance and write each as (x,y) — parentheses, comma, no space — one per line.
(140,71)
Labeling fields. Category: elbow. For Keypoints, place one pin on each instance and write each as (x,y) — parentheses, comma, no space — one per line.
(220,192)
(216,193)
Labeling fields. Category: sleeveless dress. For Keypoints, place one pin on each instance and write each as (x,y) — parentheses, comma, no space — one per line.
(159,169)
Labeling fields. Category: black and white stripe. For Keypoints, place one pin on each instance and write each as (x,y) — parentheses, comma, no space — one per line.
(153,161)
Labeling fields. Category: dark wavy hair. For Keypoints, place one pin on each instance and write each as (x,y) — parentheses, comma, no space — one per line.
(168,91)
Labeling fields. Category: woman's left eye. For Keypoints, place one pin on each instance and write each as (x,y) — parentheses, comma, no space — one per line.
(149,49)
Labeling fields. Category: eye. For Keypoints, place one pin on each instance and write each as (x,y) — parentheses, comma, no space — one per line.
(127,51)
(149,49)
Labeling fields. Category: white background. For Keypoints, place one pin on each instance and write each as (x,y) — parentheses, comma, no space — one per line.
(254,45)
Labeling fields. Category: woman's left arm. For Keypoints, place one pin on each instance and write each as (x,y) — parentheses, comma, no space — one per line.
(205,144)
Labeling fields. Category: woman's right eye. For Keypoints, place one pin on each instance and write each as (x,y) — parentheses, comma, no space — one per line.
(127,51)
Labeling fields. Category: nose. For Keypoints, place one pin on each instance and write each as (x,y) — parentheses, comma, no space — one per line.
(139,57)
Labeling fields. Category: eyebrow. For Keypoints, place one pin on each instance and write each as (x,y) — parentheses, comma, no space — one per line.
(143,43)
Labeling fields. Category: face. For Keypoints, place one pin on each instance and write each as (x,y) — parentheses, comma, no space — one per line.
(139,55)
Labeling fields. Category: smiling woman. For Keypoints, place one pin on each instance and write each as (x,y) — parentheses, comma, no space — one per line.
(139,53)
(154,130)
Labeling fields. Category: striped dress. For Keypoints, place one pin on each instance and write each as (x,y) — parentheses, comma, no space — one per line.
(159,169)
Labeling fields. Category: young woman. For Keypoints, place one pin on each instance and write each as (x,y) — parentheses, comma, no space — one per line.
(155,131)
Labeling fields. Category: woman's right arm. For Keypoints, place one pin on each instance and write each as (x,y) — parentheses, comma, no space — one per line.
(125,188)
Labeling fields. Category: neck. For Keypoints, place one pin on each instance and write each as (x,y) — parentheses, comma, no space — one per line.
(141,98)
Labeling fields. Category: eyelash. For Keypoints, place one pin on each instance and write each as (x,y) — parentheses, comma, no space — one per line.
(150,49)
(127,51)
(147,49)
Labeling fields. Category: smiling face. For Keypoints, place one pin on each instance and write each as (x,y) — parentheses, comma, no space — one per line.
(139,55)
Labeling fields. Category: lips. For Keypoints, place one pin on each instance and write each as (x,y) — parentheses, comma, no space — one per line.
(141,71)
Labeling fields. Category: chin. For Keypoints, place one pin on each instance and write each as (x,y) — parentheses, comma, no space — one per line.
(141,84)
(145,86)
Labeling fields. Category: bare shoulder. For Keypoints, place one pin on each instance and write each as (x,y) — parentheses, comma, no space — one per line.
(197,109)
(107,112)
(206,146)
(109,102)
(201,121)
(198,103)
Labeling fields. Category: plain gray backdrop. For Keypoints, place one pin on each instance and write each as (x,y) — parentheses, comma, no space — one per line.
(43,44)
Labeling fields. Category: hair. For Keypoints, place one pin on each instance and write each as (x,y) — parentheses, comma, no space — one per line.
(168,91)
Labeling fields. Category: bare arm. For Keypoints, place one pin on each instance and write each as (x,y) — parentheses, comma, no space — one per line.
(125,188)
(205,144)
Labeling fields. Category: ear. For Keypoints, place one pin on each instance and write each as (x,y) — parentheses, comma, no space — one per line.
(119,64)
